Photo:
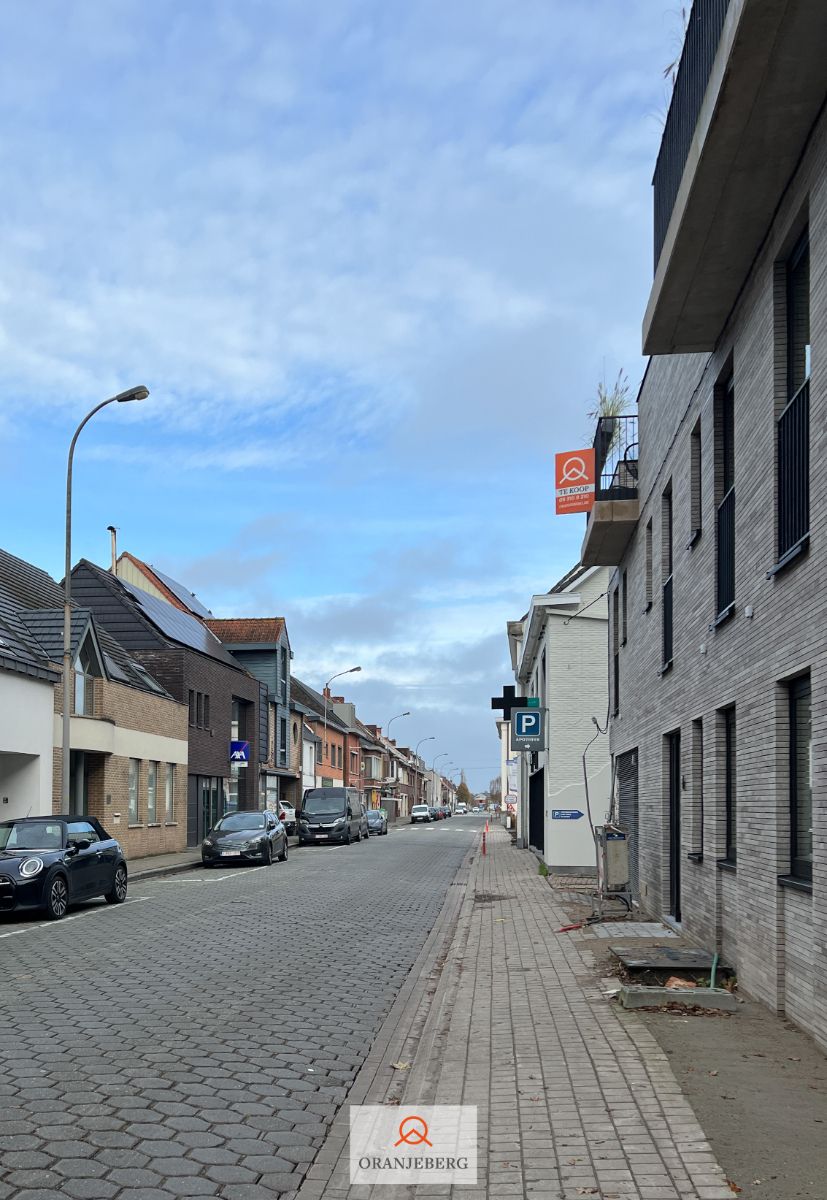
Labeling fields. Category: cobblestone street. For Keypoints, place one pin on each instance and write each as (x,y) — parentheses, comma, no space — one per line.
(199,1040)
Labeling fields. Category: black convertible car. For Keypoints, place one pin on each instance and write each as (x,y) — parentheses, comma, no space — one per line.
(52,862)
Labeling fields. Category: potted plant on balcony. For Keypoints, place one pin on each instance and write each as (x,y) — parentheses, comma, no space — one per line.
(603,416)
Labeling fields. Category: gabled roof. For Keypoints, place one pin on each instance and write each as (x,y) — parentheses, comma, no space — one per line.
(247,631)
(31,625)
(19,651)
(175,593)
(175,624)
(313,701)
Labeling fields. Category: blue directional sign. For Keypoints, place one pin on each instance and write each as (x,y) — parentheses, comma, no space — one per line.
(528,729)
(240,753)
(566,814)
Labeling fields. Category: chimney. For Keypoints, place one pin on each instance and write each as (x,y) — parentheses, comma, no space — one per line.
(113,535)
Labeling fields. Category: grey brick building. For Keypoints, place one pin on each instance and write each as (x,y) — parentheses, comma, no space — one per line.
(715,517)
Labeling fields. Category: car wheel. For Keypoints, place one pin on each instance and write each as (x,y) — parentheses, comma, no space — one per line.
(283,855)
(119,886)
(266,854)
(57,899)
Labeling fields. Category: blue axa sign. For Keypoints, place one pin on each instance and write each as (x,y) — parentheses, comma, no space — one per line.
(240,752)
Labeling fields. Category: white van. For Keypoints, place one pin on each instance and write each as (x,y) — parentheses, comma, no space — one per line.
(461,809)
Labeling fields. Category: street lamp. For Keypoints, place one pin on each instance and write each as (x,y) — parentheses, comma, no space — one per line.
(349,671)
(135,393)
(433,766)
(391,721)
(432,738)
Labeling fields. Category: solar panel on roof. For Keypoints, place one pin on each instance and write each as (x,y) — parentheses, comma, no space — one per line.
(183,593)
(179,626)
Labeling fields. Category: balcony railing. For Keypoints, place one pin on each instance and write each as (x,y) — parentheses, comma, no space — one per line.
(616,458)
(726,553)
(703,33)
(667,622)
(794,471)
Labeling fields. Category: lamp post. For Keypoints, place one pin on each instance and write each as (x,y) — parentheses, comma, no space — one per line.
(432,738)
(391,721)
(349,671)
(135,393)
(434,763)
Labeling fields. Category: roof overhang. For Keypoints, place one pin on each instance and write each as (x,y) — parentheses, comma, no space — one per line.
(765,91)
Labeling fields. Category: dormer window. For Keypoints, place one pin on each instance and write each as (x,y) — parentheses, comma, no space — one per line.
(88,667)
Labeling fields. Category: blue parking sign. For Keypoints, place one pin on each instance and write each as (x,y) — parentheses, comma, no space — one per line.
(528,729)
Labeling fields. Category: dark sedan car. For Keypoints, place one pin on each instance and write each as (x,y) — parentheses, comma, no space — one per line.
(245,837)
(377,821)
(52,862)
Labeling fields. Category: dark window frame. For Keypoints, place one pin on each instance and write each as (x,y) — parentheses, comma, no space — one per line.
(792,432)
(667,575)
(730,785)
(725,499)
(797,690)
(696,483)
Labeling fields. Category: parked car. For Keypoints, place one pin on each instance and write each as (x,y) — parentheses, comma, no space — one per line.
(446,811)
(245,837)
(420,812)
(436,813)
(377,821)
(52,862)
(332,814)
(287,816)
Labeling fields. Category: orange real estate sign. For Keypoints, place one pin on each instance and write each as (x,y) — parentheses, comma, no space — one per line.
(574,481)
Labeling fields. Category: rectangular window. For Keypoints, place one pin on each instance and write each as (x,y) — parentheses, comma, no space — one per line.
(284,673)
(801,776)
(134,784)
(339,755)
(624,600)
(648,565)
(206,712)
(696,502)
(667,565)
(794,421)
(199,709)
(615,652)
(318,754)
(151,793)
(730,786)
(169,794)
(697,787)
(354,762)
(725,498)
(283,741)
(191,695)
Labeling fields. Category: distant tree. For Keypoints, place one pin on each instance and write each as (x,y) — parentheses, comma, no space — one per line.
(464,794)
(495,791)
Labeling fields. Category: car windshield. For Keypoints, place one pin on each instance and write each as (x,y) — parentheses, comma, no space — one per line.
(234,822)
(31,835)
(324,802)
(374,815)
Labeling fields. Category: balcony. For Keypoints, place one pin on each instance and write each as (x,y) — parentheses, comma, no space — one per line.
(749,87)
(616,508)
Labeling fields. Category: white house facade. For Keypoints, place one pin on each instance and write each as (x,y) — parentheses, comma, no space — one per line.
(558,653)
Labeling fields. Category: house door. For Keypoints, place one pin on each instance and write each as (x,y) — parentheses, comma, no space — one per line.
(674,740)
(536,812)
(627,796)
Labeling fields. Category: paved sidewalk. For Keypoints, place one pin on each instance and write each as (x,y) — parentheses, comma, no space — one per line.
(573,1098)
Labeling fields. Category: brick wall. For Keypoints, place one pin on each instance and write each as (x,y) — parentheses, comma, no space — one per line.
(108,774)
(776,939)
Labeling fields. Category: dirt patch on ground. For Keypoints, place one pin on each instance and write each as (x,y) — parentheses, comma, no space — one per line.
(758,1087)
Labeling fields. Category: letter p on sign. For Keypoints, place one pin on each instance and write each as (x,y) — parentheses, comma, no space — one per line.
(528,724)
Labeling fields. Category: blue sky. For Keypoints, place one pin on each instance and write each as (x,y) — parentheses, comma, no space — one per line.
(371,258)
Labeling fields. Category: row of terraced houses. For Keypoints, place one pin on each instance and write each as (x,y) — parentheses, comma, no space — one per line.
(177,716)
